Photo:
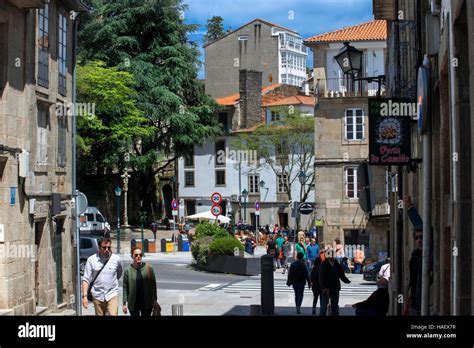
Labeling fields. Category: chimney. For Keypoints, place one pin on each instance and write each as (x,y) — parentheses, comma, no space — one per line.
(250,88)
(305,88)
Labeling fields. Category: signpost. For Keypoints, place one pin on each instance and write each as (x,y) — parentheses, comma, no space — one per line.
(216,209)
(306,208)
(257,217)
(216,198)
(174,212)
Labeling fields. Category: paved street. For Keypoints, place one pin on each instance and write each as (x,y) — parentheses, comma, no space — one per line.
(204,293)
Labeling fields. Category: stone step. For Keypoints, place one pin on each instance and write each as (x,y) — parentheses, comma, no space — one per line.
(41,310)
(6,312)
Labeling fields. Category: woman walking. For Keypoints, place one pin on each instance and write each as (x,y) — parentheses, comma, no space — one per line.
(139,287)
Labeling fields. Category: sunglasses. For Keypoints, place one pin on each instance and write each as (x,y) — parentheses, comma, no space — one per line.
(136,255)
(106,247)
(418,237)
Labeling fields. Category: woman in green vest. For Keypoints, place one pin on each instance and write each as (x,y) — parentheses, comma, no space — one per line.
(139,287)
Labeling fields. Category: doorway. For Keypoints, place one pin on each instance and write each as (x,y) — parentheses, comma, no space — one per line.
(283,219)
(57,256)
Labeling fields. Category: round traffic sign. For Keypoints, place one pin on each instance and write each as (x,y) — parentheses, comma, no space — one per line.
(216,198)
(216,210)
(306,208)
(257,205)
(81,202)
(174,204)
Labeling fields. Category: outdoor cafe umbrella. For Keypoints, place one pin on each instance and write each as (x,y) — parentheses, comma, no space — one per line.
(207,215)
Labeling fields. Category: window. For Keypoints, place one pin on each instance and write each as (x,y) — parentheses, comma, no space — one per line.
(282,180)
(42,137)
(220,153)
(354,124)
(99,218)
(188,179)
(189,159)
(62,54)
(351,182)
(62,131)
(275,116)
(43,46)
(190,207)
(253,183)
(86,243)
(223,121)
(220,177)
(90,217)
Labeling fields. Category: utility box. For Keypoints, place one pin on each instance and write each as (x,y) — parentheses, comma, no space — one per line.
(166,245)
(150,245)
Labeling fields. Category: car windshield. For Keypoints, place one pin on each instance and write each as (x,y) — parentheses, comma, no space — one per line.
(99,218)
(90,217)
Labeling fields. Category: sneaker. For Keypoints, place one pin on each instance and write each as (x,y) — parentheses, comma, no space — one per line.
(298,310)
(283,271)
(314,311)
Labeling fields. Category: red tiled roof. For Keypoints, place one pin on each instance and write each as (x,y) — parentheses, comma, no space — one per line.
(375,30)
(234,98)
(293,100)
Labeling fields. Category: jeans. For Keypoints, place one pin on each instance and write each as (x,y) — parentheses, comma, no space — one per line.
(299,293)
(310,263)
(334,296)
(357,268)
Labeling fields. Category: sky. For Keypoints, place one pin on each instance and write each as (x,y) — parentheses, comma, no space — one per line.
(308,17)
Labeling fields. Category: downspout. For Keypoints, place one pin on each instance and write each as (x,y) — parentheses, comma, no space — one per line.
(454,168)
(427,173)
(75,224)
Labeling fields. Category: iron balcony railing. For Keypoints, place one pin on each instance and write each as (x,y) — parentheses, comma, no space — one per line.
(347,87)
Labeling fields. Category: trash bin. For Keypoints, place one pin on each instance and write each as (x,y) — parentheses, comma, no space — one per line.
(150,245)
(183,243)
(166,245)
(136,243)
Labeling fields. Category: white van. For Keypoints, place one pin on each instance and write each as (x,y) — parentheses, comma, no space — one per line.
(94,223)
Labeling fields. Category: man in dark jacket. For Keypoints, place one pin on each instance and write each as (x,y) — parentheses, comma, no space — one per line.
(329,275)
(315,286)
(378,302)
(297,277)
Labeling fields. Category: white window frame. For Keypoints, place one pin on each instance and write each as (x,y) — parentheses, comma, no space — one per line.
(351,121)
(347,177)
(254,180)
(280,182)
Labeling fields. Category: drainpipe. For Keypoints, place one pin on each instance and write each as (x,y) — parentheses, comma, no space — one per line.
(75,224)
(426,264)
(454,168)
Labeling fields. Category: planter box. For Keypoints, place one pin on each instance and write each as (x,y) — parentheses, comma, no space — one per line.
(233,264)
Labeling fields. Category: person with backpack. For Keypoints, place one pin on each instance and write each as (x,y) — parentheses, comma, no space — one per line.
(297,277)
(272,250)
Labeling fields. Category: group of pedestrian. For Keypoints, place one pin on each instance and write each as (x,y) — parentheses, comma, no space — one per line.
(100,283)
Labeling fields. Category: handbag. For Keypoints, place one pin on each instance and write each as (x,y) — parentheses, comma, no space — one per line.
(89,294)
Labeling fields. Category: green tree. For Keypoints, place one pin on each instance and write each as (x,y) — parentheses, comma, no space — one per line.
(105,136)
(286,146)
(215,29)
(149,39)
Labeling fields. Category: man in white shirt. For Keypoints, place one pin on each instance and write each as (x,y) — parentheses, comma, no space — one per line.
(105,288)
(384,271)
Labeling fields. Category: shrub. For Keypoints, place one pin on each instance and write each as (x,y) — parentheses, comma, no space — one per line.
(206,229)
(225,246)
(200,250)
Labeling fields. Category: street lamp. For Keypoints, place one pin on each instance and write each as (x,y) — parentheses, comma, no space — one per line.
(118,192)
(302,178)
(245,194)
(349,60)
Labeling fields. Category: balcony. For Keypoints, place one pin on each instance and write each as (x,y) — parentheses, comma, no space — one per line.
(297,47)
(346,87)
(381,209)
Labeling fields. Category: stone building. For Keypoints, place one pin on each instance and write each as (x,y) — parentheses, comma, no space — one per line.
(341,139)
(439,33)
(258,45)
(37,259)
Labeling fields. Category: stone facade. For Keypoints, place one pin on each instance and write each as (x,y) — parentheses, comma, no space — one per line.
(250,87)
(44,276)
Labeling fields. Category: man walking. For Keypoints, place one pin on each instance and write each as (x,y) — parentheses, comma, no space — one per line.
(330,273)
(297,277)
(312,253)
(103,270)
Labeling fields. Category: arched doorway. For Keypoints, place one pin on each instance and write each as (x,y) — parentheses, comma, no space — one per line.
(167,199)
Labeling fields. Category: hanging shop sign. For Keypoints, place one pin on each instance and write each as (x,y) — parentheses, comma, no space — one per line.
(390,130)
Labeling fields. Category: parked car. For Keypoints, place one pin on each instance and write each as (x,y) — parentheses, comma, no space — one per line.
(89,246)
(93,222)
(371,270)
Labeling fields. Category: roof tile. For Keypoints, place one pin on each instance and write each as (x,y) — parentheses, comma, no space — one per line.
(375,30)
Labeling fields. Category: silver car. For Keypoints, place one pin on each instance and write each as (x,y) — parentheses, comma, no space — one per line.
(94,223)
(89,246)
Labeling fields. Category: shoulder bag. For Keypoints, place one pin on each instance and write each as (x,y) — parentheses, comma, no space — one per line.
(89,294)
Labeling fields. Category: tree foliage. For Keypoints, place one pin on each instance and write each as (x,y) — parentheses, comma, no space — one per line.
(285,146)
(105,135)
(215,29)
(149,40)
